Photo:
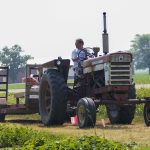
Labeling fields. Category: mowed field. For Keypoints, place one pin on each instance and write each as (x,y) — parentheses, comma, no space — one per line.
(137,132)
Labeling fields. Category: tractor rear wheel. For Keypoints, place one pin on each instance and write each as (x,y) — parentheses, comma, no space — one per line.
(121,114)
(86,113)
(127,114)
(53,100)
(147,114)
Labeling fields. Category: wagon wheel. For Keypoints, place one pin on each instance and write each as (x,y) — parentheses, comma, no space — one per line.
(147,114)
(2,117)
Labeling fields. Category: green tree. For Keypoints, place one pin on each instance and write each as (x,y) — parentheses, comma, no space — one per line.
(141,51)
(13,58)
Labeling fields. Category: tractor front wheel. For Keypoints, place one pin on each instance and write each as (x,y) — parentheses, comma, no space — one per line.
(147,114)
(86,113)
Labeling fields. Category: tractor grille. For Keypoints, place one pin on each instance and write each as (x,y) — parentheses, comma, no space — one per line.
(120,73)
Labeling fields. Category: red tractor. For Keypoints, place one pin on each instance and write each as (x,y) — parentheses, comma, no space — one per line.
(107,80)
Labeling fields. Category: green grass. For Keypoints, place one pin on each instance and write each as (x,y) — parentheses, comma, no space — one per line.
(12,100)
(142,78)
(143,92)
(14,86)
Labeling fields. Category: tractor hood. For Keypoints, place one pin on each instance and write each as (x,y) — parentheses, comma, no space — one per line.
(112,57)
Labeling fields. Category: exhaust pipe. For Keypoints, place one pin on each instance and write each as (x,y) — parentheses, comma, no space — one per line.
(105,36)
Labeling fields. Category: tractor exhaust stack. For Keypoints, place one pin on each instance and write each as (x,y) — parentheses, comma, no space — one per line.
(105,36)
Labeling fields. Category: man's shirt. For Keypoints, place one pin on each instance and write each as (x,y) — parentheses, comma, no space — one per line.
(77,53)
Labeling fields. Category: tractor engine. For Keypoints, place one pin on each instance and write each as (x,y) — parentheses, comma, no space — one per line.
(111,73)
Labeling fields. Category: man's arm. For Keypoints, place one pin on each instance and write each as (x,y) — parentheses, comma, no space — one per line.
(74,56)
(90,53)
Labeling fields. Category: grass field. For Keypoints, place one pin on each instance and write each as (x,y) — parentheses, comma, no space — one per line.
(142,78)
(137,132)
(22,138)
(14,86)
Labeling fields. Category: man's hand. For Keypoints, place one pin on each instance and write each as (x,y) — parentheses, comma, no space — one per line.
(75,59)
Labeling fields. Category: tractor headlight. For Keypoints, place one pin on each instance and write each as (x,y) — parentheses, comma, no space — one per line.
(58,62)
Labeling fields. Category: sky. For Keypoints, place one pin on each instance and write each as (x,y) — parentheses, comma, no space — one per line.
(47,29)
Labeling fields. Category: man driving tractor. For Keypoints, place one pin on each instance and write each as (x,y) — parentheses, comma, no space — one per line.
(78,56)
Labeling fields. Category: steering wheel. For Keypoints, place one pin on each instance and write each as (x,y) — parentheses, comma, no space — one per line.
(86,53)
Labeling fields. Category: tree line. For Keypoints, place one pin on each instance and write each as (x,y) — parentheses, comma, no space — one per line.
(140,48)
(14,58)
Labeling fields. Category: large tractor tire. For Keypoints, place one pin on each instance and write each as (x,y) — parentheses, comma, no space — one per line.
(53,100)
(127,114)
(122,114)
(86,113)
(147,114)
